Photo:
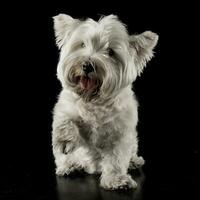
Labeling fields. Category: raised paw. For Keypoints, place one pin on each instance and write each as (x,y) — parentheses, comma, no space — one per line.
(136,162)
(115,182)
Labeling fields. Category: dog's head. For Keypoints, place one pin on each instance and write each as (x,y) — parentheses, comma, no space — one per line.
(98,59)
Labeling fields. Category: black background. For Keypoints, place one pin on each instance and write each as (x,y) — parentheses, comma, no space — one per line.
(166,92)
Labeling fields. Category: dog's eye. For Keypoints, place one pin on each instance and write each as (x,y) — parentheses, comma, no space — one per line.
(82,45)
(110,52)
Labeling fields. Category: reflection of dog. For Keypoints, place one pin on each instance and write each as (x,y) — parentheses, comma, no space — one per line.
(95,118)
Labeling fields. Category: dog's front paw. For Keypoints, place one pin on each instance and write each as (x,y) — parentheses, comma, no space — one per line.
(136,162)
(114,182)
(67,169)
(62,170)
(64,165)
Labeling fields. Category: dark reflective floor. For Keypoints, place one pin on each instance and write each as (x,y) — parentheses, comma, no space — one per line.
(81,186)
(39,183)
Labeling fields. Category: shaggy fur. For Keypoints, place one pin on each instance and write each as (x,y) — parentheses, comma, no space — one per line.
(95,118)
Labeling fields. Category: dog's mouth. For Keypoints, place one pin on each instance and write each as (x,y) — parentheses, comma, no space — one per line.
(87,83)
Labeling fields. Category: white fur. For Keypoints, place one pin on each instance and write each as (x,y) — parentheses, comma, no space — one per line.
(97,132)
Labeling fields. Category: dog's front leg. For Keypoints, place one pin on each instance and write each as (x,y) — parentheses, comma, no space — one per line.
(64,140)
(114,167)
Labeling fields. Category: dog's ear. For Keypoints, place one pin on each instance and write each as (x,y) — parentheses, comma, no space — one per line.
(62,25)
(142,46)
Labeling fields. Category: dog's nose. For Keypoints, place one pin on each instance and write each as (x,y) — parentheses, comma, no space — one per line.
(87,68)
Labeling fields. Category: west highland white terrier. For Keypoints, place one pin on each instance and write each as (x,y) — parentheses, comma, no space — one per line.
(95,118)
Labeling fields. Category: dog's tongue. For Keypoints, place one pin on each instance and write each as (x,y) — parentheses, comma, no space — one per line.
(87,83)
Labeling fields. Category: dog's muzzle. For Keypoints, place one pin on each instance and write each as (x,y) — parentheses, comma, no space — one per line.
(87,68)
(87,80)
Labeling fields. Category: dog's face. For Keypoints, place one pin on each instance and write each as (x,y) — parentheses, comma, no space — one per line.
(98,59)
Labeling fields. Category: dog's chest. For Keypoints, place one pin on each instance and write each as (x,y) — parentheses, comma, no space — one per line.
(100,136)
(95,116)
(96,125)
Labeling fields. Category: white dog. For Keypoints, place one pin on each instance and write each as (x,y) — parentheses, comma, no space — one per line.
(95,118)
